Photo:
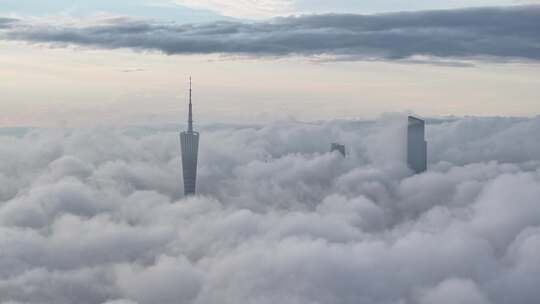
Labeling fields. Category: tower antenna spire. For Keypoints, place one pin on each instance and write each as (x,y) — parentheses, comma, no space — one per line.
(190,117)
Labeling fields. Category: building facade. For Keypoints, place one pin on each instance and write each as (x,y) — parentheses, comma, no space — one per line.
(338,147)
(416,145)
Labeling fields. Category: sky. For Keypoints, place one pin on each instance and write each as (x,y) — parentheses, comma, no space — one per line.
(127,62)
(93,96)
(208,10)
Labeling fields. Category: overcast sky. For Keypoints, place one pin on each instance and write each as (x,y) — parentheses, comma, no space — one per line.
(103,62)
(205,10)
(96,214)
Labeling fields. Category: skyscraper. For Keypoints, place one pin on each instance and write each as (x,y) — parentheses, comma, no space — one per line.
(189,142)
(416,145)
(338,147)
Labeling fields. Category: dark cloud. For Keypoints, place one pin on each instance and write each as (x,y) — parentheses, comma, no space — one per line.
(97,216)
(6,22)
(502,33)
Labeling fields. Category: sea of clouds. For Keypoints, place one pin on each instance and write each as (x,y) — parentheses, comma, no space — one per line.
(98,215)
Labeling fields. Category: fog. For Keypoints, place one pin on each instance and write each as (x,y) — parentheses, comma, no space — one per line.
(98,215)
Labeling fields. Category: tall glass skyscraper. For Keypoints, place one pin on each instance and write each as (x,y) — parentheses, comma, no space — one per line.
(416,145)
(189,142)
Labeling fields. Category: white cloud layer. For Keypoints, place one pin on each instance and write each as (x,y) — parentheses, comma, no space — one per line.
(97,216)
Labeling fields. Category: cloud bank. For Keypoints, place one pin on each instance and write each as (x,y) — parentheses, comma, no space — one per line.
(97,216)
(496,33)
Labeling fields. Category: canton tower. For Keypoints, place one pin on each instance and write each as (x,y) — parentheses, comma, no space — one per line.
(189,142)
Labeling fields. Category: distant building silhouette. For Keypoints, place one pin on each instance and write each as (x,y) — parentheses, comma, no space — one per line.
(338,147)
(189,142)
(416,145)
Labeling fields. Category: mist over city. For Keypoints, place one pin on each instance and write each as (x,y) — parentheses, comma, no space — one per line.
(276,151)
